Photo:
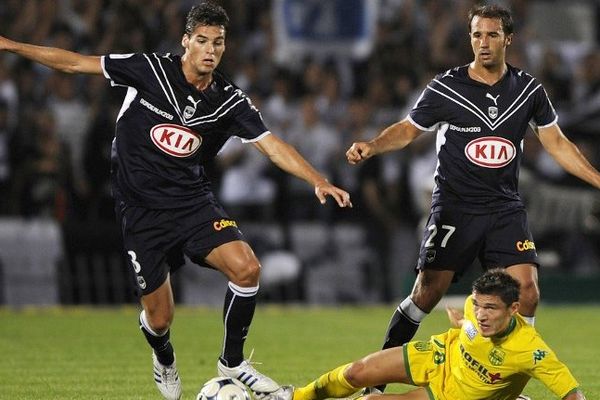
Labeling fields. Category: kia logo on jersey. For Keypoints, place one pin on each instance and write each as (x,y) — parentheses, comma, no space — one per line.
(175,140)
(490,151)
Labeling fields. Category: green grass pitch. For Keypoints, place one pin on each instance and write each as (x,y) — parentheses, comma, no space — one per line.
(90,353)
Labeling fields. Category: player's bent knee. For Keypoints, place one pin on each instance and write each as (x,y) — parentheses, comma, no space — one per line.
(246,274)
(354,374)
(159,322)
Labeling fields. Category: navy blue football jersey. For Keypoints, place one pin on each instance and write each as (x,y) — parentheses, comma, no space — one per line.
(480,130)
(167,129)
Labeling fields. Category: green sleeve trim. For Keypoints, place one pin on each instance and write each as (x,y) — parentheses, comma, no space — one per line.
(429,393)
(407,363)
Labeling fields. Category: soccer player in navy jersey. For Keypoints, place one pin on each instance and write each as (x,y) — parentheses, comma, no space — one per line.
(480,113)
(177,114)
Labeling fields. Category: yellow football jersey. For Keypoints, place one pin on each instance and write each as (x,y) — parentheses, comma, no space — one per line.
(462,364)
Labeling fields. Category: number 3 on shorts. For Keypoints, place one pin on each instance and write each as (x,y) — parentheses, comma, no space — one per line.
(136,265)
(433,233)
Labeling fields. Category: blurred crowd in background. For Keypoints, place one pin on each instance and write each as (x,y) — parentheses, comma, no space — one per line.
(56,129)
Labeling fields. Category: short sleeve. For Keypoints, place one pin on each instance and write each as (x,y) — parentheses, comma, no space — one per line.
(543,113)
(545,366)
(425,114)
(127,69)
(248,124)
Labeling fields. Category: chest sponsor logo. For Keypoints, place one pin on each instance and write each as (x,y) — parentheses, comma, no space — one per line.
(485,375)
(490,151)
(175,140)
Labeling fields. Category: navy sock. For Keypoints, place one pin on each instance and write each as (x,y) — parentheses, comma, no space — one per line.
(160,343)
(238,311)
(401,329)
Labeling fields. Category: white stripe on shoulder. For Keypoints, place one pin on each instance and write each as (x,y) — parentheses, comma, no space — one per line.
(177,111)
(199,121)
(481,113)
(167,82)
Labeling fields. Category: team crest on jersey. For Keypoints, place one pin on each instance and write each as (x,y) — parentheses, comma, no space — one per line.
(421,345)
(490,151)
(430,256)
(493,111)
(175,140)
(188,111)
(496,356)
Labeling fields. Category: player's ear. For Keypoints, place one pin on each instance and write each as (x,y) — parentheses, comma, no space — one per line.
(185,40)
(509,39)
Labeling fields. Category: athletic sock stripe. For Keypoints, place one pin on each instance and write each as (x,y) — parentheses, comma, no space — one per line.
(243,291)
(407,317)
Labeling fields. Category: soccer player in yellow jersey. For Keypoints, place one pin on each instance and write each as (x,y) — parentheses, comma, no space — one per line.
(491,353)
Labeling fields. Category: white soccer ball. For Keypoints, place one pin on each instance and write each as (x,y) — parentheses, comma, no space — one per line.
(223,388)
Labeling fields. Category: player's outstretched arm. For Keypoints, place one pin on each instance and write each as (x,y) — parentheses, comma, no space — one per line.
(567,155)
(394,137)
(288,159)
(58,59)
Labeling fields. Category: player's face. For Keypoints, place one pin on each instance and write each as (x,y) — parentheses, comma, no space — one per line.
(204,48)
(493,316)
(488,41)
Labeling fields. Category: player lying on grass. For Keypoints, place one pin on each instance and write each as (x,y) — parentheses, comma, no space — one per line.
(491,353)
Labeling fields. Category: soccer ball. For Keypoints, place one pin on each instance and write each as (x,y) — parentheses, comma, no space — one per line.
(223,388)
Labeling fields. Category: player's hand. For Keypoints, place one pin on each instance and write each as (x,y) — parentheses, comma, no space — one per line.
(3,43)
(359,151)
(324,189)
(455,316)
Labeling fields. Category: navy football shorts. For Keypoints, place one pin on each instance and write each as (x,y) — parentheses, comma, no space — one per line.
(156,240)
(453,240)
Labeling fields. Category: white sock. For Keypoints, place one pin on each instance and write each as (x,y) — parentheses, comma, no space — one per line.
(411,310)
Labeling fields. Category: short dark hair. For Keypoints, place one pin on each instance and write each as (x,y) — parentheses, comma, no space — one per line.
(497,282)
(493,11)
(206,14)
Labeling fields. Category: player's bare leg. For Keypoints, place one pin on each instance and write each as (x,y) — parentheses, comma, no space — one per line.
(527,275)
(385,366)
(417,394)
(238,262)
(155,320)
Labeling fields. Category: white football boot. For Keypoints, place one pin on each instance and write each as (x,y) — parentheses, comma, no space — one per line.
(283,393)
(167,379)
(261,385)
